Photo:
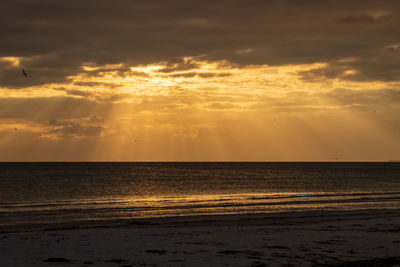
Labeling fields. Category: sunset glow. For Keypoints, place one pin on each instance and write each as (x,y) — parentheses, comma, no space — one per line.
(251,100)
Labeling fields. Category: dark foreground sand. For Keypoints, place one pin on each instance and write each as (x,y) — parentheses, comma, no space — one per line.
(362,238)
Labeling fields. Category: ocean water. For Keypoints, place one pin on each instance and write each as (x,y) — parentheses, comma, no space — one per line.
(73,192)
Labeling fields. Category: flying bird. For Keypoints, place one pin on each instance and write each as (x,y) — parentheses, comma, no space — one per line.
(24,73)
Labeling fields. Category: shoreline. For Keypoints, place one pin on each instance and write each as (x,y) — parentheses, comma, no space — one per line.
(287,218)
(313,238)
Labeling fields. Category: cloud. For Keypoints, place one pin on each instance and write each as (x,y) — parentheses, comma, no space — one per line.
(363,19)
(382,66)
(197,76)
(204,75)
(183,65)
(221,105)
(74,129)
(368,98)
(55,39)
(42,109)
(95,84)
(393,48)
(78,93)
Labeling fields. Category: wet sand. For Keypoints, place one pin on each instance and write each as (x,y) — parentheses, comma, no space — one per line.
(363,238)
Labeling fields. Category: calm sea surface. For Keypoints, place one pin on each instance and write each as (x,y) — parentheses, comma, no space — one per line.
(67,192)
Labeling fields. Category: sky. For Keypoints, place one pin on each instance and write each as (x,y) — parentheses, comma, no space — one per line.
(220,80)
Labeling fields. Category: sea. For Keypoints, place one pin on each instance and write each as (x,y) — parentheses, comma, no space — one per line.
(43,193)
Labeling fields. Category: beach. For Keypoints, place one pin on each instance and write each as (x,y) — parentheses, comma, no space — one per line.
(313,238)
(199,214)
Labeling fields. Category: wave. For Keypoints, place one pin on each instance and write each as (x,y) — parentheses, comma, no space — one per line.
(114,208)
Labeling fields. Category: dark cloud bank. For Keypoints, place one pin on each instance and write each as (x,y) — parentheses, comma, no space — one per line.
(56,37)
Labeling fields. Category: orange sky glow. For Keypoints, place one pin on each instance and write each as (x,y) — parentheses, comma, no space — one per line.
(258,102)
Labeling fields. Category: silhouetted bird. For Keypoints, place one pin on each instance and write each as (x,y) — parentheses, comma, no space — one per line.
(24,73)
